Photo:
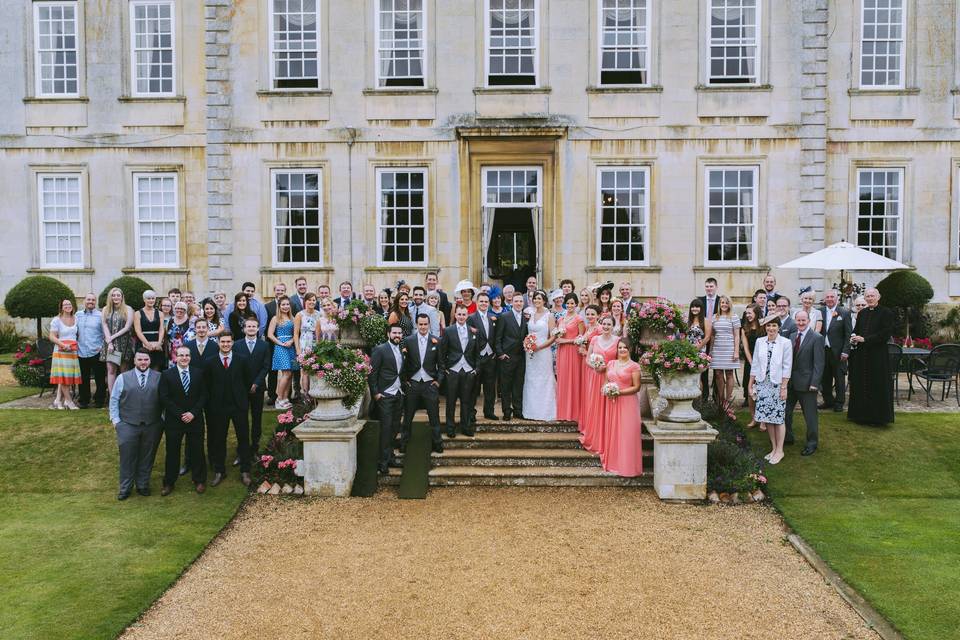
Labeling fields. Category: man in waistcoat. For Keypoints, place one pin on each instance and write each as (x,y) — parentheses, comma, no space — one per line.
(135,413)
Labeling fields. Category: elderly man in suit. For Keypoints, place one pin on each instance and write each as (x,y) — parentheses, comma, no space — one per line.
(837,328)
(135,413)
(626,294)
(255,349)
(386,363)
(229,381)
(483,325)
(183,395)
(458,353)
(511,330)
(805,378)
(421,377)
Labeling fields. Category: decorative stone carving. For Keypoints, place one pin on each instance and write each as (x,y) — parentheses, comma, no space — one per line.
(679,390)
(329,401)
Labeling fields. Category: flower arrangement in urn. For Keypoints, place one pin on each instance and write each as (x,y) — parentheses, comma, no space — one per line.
(657,316)
(340,367)
(674,356)
(353,314)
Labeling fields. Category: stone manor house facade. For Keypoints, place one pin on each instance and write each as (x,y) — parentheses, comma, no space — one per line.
(201,143)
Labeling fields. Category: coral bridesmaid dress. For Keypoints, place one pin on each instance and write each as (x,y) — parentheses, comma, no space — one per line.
(569,372)
(593,403)
(622,453)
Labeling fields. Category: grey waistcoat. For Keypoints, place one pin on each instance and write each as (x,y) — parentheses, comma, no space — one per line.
(140,406)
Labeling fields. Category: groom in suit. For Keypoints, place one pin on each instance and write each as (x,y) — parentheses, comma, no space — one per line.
(805,380)
(386,363)
(458,352)
(183,395)
(484,327)
(421,378)
(511,330)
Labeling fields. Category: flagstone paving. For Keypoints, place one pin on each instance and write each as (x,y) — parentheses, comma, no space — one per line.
(501,563)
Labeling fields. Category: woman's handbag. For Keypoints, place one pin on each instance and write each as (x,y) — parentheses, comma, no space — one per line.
(112,357)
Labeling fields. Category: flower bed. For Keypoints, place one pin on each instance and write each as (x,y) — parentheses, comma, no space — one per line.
(28,367)
(674,356)
(342,368)
(734,472)
(918,343)
(276,467)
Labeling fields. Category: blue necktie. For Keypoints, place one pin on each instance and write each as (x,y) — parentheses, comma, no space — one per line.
(186,382)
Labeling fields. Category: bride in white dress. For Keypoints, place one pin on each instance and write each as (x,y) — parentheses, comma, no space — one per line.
(539,385)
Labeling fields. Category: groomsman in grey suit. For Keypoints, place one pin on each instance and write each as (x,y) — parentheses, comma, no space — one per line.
(805,380)
(135,412)
(837,327)
(386,364)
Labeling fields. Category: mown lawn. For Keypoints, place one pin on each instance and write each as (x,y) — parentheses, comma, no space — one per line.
(882,507)
(76,563)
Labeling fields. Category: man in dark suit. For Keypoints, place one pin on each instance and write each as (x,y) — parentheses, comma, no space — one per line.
(804,381)
(709,303)
(346,295)
(255,349)
(630,304)
(421,377)
(511,330)
(458,354)
(432,282)
(484,325)
(837,327)
(386,363)
(296,300)
(183,394)
(203,349)
(229,381)
(787,325)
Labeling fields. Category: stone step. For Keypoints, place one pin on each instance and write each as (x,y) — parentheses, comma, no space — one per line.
(523,426)
(533,476)
(519,457)
(496,439)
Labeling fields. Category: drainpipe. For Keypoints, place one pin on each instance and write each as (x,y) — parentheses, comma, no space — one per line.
(352,137)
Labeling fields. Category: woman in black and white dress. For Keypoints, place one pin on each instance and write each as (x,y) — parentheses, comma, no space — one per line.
(769,378)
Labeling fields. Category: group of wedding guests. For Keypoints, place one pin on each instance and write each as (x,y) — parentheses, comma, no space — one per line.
(556,356)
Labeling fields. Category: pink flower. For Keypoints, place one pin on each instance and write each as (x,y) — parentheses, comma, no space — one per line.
(328,366)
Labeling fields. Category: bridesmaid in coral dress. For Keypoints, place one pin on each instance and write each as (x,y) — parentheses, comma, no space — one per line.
(591,330)
(622,453)
(591,411)
(569,364)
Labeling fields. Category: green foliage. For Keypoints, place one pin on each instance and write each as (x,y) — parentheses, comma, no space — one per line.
(10,338)
(132,288)
(28,369)
(352,315)
(342,368)
(278,461)
(950,325)
(373,330)
(674,356)
(37,297)
(732,466)
(907,292)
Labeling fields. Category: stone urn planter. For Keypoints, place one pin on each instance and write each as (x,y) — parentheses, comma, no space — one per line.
(679,390)
(350,336)
(650,337)
(329,401)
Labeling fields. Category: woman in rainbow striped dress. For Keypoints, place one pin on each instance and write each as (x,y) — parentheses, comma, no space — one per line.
(65,365)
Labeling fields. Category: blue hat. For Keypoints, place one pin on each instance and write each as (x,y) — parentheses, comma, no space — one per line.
(495,292)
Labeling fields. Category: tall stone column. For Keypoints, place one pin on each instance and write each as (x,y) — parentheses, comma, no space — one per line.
(218,18)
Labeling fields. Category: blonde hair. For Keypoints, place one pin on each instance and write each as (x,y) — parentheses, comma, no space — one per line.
(109,308)
(718,311)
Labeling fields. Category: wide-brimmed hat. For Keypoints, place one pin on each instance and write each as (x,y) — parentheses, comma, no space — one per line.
(557,293)
(464,284)
(606,286)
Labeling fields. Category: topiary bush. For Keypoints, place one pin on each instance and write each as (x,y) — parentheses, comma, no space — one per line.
(132,288)
(37,297)
(908,293)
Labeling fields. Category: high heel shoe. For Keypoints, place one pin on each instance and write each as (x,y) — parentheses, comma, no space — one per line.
(751,424)
(71,406)
(57,405)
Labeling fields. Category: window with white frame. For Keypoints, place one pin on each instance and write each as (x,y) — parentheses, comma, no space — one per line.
(734,41)
(402,216)
(295,44)
(881,43)
(731,220)
(61,219)
(156,219)
(152,55)
(624,42)
(400,43)
(879,210)
(297,217)
(55,36)
(512,42)
(622,215)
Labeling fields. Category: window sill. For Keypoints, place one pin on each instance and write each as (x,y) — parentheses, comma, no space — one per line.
(294,93)
(734,88)
(152,99)
(510,90)
(308,269)
(177,270)
(400,267)
(83,270)
(952,267)
(652,88)
(400,91)
(731,267)
(910,91)
(56,100)
(621,268)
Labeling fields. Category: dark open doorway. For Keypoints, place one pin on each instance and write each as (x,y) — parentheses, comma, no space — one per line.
(512,252)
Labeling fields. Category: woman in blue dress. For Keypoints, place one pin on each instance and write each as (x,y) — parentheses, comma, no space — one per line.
(280,333)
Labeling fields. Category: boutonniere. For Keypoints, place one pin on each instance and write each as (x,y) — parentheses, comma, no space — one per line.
(473,329)
(403,351)
(834,315)
(433,340)
(493,319)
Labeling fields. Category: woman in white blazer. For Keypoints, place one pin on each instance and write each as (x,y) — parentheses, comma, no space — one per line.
(769,377)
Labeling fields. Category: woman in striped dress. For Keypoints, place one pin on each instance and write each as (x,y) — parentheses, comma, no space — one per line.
(723,334)
(65,366)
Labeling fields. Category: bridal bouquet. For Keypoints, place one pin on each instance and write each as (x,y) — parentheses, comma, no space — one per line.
(530,344)
(610,390)
(557,332)
(580,340)
(595,360)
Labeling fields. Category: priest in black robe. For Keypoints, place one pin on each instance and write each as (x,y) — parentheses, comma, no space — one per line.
(871,384)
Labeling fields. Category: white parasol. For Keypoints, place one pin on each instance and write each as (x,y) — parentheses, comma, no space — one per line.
(844,256)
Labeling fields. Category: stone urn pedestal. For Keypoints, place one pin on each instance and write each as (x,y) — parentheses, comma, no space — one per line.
(329,437)
(649,404)
(680,439)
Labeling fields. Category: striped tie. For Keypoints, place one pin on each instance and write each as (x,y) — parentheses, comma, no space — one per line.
(186,382)
(143,380)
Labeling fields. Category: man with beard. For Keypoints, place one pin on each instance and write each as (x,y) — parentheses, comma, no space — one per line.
(386,363)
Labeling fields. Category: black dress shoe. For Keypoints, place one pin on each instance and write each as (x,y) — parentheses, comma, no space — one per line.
(506,417)
(165,490)
(395,464)
(83,405)
(123,495)
(382,469)
(217,479)
(469,433)
(491,417)
(519,416)
(823,406)
(788,440)
(451,432)
(838,409)
(143,492)
(437,447)
(808,450)
(183,471)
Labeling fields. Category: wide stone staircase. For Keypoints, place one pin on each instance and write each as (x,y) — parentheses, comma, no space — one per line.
(524,453)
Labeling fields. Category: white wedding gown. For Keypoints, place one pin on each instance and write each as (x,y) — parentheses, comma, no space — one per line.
(539,385)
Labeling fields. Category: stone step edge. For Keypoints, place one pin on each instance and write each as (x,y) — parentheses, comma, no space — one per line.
(537,471)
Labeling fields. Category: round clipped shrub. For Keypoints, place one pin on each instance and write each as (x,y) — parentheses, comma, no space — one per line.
(132,288)
(37,297)
(905,290)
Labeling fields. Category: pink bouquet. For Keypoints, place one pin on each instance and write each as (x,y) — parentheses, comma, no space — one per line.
(610,390)
(530,344)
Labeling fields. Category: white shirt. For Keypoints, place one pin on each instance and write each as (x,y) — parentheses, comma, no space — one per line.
(486,329)
(464,334)
(423,343)
(202,345)
(251,344)
(181,372)
(393,389)
(113,405)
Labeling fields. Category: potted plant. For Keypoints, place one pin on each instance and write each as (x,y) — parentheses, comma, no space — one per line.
(676,365)
(655,321)
(338,379)
(373,330)
(349,319)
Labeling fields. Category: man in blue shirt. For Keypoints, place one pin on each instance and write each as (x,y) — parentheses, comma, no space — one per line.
(90,340)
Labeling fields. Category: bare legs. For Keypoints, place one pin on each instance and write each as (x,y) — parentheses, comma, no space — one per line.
(724,382)
(283,389)
(113,370)
(777,433)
